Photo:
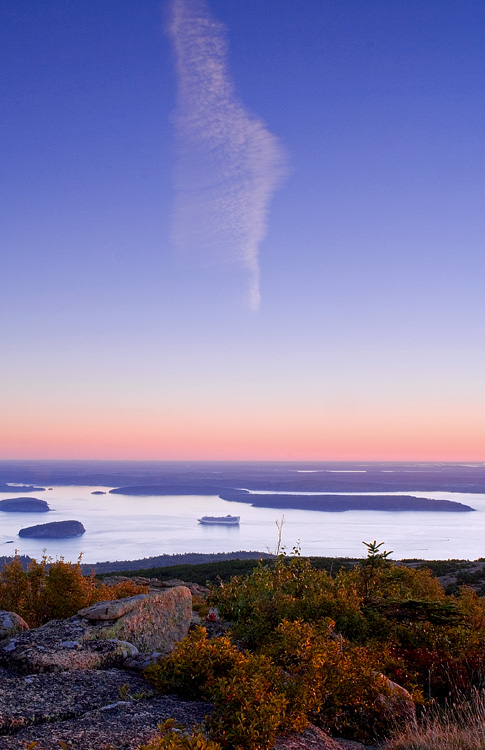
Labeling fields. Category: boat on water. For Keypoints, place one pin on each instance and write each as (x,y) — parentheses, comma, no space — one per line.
(220,520)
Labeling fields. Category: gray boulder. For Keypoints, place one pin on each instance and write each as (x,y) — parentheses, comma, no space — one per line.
(396,702)
(11,624)
(62,645)
(111,609)
(150,622)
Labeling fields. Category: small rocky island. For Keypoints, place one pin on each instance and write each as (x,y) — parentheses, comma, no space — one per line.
(98,492)
(54,530)
(24,505)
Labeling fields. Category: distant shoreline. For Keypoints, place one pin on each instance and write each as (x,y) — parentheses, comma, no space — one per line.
(158,561)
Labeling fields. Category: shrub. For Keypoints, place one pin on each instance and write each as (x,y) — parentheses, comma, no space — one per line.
(172,737)
(246,689)
(249,707)
(304,670)
(192,669)
(378,579)
(285,590)
(48,590)
(291,589)
(337,683)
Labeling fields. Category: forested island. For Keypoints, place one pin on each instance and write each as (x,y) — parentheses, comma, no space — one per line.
(326,503)
(24,505)
(341,503)
(54,530)
(161,490)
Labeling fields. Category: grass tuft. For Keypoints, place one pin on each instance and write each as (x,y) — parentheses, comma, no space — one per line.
(456,726)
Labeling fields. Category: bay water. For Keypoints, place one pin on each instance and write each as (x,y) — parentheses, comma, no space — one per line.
(121,527)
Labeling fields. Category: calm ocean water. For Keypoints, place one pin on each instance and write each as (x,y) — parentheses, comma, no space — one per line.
(126,528)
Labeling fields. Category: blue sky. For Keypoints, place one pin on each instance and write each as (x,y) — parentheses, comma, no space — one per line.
(367,341)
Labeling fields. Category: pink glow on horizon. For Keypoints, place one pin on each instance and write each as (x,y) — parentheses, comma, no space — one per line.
(354,435)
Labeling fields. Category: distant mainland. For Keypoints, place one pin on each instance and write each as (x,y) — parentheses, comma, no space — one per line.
(20,488)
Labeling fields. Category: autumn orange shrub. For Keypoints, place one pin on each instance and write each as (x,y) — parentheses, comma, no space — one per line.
(53,590)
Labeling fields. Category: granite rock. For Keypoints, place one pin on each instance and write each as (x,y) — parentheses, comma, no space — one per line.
(46,698)
(62,645)
(156,623)
(397,702)
(123,723)
(11,624)
(112,609)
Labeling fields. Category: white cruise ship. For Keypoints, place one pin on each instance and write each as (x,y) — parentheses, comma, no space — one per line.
(220,520)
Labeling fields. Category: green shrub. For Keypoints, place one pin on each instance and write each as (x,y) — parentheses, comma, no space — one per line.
(172,737)
(192,669)
(285,590)
(291,589)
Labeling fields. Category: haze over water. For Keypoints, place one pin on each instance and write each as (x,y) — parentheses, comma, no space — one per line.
(123,527)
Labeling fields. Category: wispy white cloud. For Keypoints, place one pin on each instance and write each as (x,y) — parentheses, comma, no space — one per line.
(229,163)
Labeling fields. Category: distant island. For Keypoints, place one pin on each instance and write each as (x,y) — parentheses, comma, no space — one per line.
(166,489)
(24,505)
(98,492)
(328,503)
(20,488)
(54,530)
(342,503)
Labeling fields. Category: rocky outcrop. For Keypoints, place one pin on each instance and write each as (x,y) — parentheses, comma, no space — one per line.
(96,713)
(62,645)
(314,739)
(72,684)
(70,680)
(24,505)
(151,623)
(103,636)
(54,530)
(54,697)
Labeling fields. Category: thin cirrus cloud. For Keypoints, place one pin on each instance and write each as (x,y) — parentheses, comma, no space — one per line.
(229,164)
